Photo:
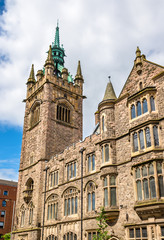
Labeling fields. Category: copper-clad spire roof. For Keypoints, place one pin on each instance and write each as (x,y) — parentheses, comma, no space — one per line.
(109,92)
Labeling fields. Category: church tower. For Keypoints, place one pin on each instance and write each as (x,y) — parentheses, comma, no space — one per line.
(52,122)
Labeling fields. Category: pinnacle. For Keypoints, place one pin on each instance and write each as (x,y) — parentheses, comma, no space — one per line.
(109,92)
(49,57)
(32,75)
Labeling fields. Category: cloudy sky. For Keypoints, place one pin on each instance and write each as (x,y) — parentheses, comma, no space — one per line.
(103,34)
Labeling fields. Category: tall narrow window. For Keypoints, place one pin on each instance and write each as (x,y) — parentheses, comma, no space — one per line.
(102,154)
(133,111)
(139,112)
(141,137)
(148,138)
(103,123)
(91,162)
(152,103)
(113,191)
(90,196)
(152,187)
(135,142)
(139,190)
(109,186)
(144,105)
(155,133)
(70,201)
(106,153)
(63,114)
(89,202)
(71,170)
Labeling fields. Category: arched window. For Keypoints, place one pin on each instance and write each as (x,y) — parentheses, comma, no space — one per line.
(30,184)
(103,123)
(63,113)
(109,187)
(70,201)
(51,237)
(22,213)
(144,105)
(155,134)
(148,138)
(90,196)
(52,207)
(139,112)
(30,207)
(152,103)
(35,114)
(133,111)
(70,236)
(141,138)
(140,85)
(135,142)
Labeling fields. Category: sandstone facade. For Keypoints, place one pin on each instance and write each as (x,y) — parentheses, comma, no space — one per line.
(64,182)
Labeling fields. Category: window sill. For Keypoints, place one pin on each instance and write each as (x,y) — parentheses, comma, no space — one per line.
(145,150)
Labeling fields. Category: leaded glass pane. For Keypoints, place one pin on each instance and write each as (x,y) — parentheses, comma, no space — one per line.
(141,137)
(131,233)
(102,154)
(159,167)
(151,169)
(162,231)
(51,212)
(74,169)
(89,201)
(105,181)
(106,197)
(93,201)
(133,112)
(138,232)
(148,138)
(93,162)
(135,142)
(89,163)
(48,212)
(54,183)
(52,237)
(103,123)
(152,103)
(112,180)
(65,207)
(67,236)
(54,215)
(144,171)
(71,170)
(161,186)
(139,190)
(68,206)
(139,109)
(57,178)
(106,153)
(75,204)
(51,179)
(67,172)
(113,196)
(72,205)
(75,237)
(71,236)
(145,188)
(152,187)
(155,133)
(144,232)
(138,175)
(145,105)
(56,211)
(89,236)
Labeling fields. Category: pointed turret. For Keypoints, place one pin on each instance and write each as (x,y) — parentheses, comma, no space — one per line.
(31,78)
(138,61)
(79,73)
(49,64)
(109,92)
(57,39)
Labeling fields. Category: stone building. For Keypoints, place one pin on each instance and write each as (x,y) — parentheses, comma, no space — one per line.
(64,181)
(8,191)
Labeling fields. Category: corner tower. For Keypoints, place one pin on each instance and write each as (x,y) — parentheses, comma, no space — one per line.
(52,122)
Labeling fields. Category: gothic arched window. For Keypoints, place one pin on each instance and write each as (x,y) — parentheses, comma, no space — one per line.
(31,207)
(70,236)
(70,201)
(133,111)
(139,112)
(144,105)
(52,207)
(22,213)
(90,196)
(152,103)
(35,114)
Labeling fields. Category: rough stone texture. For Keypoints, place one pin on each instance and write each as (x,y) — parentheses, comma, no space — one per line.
(57,142)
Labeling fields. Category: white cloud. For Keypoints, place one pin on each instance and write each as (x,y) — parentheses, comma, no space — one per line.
(9,174)
(102,34)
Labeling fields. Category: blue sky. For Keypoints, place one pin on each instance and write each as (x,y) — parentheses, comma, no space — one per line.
(103,35)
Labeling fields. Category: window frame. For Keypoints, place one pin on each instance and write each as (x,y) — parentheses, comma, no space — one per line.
(107,192)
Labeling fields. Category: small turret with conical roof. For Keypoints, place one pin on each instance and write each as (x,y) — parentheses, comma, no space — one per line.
(31,80)
(138,61)
(106,111)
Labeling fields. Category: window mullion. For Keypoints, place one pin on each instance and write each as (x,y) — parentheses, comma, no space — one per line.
(156,179)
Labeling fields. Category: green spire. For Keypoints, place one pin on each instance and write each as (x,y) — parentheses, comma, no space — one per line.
(109,92)
(57,40)
(31,78)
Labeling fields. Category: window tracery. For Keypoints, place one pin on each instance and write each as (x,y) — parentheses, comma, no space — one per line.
(90,191)
(70,201)
(52,207)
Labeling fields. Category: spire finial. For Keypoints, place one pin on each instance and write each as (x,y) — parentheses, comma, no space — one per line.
(32,75)
(109,78)
(49,57)
(79,73)
(138,52)
(57,22)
